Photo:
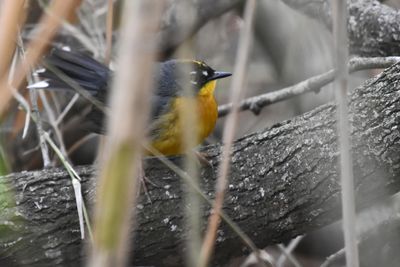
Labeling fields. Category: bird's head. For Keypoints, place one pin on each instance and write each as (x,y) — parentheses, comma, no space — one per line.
(201,77)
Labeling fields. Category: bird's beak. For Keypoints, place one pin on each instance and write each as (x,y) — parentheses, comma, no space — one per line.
(219,75)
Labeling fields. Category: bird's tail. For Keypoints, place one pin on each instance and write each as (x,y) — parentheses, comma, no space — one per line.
(64,70)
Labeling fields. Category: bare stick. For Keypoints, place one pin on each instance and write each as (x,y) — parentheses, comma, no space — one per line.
(341,55)
(229,132)
(110,13)
(256,103)
(286,253)
(35,112)
(118,181)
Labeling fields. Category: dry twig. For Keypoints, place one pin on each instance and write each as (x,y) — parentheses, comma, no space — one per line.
(315,83)
(229,132)
(341,55)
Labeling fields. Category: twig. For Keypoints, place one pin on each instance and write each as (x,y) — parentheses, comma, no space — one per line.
(76,184)
(67,109)
(75,178)
(79,143)
(20,98)
(35,113)
(341,54)
(52,119)
(253,259)
(287,253)
(334,257)
(39,127)
(110,16)
(229,132)
(315,83)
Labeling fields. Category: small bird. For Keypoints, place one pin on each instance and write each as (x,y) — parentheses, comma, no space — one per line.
(166,124)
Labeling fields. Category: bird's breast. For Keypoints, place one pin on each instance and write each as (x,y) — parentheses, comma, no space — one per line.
(197,115)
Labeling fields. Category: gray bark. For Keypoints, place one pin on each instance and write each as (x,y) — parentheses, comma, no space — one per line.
(284,182)
(373,27)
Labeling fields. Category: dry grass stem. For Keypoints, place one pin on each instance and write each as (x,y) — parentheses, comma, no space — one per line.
(33,96)
(121,156)
(341,54)
(109,31)
(229,132)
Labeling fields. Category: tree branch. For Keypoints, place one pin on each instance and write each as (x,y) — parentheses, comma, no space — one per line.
(284,182)
(373,27)
(315,83)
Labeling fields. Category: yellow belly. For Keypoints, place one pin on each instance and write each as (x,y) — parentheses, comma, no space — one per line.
(169,141)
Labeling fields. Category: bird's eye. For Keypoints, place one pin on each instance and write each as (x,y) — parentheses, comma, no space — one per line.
(205,73)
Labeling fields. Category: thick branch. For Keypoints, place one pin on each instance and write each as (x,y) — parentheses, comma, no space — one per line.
(374,28)
(284,182)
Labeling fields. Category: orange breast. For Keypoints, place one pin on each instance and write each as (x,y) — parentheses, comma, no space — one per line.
(169,141)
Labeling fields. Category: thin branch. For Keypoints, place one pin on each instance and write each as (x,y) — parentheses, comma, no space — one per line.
(315,83)
(229,132)
(341,54)
(110,17)
(67,109)
(52,119)
(39,127)
(75,178)
(36,113)
(287,253)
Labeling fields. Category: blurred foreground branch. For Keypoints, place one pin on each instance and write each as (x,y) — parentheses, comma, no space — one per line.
(284,182)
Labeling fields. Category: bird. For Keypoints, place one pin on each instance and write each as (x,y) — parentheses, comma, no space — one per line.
(64,69)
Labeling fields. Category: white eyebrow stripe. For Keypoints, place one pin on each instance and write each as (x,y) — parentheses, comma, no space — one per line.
(205,73)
